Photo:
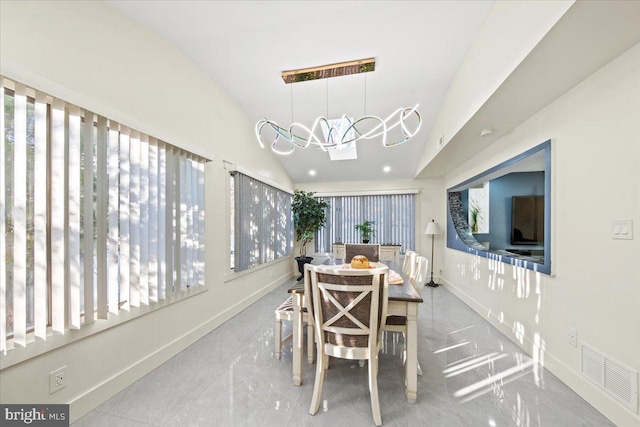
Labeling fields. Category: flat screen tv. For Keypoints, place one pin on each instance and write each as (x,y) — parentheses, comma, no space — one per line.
(527,220)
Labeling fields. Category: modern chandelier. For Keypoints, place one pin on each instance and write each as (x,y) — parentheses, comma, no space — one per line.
(327,134)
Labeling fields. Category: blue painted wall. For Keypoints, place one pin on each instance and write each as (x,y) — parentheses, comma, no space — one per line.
(516,184)
(500,192)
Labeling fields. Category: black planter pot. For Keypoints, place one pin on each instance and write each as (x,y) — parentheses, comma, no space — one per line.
(301,262)
(365,240)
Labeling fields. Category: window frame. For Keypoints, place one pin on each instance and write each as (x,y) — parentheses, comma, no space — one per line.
(230,169)
(194,166)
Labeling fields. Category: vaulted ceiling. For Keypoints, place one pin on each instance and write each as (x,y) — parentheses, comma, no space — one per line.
(418,47)
(245,45)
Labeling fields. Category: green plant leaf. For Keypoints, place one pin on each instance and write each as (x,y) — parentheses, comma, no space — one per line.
(309,215)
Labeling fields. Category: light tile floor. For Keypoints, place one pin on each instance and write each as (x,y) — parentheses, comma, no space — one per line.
(473,376)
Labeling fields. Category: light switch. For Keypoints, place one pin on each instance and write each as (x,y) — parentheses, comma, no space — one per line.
(622,229)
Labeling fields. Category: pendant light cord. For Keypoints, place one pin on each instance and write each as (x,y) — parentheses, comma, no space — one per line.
(365,94)
(327,99)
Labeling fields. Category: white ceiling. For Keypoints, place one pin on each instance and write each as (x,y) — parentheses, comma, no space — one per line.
(245,45)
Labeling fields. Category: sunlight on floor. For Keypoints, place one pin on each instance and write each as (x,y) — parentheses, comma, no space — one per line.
(473,376)
(494,382)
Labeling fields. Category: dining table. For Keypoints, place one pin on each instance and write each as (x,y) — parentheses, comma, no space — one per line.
(403,301)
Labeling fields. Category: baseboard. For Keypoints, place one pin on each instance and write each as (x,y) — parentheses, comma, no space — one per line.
(605,404)
(102,392)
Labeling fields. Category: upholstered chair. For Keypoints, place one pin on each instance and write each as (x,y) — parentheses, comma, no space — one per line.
(372,252)
(349,310)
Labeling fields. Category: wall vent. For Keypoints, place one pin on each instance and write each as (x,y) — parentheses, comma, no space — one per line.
(611,376)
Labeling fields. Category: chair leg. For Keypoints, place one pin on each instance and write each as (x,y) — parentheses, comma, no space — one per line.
(310,341)
(317,386)
(278,339)
(373,389)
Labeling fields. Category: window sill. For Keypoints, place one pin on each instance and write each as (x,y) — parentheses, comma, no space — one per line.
(232,275)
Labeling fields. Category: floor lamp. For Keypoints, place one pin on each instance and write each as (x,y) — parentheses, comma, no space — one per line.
(432,229)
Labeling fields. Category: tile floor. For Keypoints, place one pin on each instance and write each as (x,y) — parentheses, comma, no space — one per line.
(473,376)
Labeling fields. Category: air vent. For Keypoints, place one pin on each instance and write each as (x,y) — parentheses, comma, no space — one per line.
(593,365)
(611,376)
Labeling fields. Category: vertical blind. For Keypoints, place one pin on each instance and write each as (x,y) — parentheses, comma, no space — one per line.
(263,223)
(95,217)
(394,216)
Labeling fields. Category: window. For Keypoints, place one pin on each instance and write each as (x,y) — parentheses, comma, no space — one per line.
(95,217)
(262,229)
(519,227)
(394,216)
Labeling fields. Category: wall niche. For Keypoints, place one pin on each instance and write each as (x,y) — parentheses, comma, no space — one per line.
(510,223)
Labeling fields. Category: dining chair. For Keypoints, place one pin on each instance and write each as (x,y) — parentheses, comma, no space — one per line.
(285,312)
(372,252)
(349,310)
(409,262)
(396,323)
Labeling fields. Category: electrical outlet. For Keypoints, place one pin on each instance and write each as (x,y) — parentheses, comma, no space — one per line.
(57,380)
(572,337)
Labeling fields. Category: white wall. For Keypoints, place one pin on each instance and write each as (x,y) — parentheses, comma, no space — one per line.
(595,129)
(508,35)
(95,55)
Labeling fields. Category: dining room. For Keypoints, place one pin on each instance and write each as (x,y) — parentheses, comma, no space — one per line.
(161,269)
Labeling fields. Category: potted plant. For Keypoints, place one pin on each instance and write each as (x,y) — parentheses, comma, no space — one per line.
(308,217)
(475,217)
(366,229)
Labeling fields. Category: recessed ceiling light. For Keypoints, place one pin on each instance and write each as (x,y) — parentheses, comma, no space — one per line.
(387,169)
(486,132)
(312,172)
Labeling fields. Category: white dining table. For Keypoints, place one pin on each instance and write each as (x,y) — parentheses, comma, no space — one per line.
(403,301)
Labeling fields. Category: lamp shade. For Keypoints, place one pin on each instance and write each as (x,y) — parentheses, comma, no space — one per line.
(432,228)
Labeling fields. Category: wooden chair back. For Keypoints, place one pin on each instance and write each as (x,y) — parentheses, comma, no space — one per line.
(372,252)
(350,308)
(409,262)
(420,278)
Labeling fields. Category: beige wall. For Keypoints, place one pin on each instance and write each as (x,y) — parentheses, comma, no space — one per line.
(595,129)
(88,53)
